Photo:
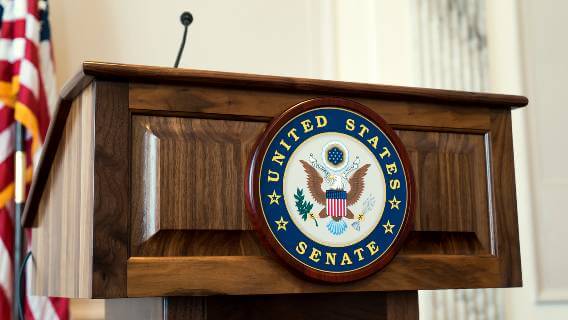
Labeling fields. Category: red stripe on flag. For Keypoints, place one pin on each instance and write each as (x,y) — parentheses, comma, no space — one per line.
(6,117)
(13,29)
(28,315)
(8,70)
(38,107)
(5,306)
(61,307)
(7,172)
(33,8)
(6,229)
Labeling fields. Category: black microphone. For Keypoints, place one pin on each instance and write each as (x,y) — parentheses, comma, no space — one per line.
(186,19)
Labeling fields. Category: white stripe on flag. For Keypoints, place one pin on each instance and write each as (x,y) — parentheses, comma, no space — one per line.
(32,28)
(14,10)
(7,142)
(334,202)
(42,308)
(47,72)
(12,50)
(335,207)
(29,77)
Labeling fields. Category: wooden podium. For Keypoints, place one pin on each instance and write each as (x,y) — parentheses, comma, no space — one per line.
(139,194)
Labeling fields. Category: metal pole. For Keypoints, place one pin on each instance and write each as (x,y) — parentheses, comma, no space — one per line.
(19,199)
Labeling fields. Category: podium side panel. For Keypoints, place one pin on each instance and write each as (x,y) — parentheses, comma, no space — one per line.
(504,196)
(62,238)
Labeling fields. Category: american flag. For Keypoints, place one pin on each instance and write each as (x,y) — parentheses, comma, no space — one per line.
(27,95)
(336,201)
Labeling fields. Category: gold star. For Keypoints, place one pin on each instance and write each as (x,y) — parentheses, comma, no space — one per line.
(394,203)
(274,197)
(388,227)
(281,223)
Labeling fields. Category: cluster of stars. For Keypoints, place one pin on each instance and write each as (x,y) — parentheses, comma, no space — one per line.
(335,156)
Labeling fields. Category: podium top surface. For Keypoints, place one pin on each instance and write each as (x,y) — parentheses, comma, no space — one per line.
(153,74)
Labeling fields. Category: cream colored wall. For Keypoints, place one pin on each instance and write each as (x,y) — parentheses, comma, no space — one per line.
(257,36)
(529,57)
(545,68)
(374,41)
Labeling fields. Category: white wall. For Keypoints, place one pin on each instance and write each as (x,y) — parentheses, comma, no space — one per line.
(529,56)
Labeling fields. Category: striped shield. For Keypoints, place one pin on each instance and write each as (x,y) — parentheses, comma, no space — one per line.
(336,202)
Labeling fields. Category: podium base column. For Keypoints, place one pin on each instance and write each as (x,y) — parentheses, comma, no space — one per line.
(366,305)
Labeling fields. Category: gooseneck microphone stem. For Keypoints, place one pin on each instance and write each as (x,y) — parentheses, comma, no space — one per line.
(186,19)
(182,45)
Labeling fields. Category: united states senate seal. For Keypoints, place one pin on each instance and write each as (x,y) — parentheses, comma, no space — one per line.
(330,190)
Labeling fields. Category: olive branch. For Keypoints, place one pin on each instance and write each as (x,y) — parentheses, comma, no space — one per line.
(304,207)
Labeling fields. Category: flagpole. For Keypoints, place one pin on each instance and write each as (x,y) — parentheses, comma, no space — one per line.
(19,200)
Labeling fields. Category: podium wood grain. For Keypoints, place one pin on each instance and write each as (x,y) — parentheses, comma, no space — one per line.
(62,240)
(249,275)
(111,171)
(141,193)
(244,104)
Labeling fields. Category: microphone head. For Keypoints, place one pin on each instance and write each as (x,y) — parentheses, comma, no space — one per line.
(186,18)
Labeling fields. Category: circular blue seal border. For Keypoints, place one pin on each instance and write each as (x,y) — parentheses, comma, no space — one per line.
(272,218)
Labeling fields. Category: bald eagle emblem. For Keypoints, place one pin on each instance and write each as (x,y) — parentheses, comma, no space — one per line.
(336,185)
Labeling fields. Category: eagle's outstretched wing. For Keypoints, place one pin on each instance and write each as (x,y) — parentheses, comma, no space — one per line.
(314,183)
(357,184)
